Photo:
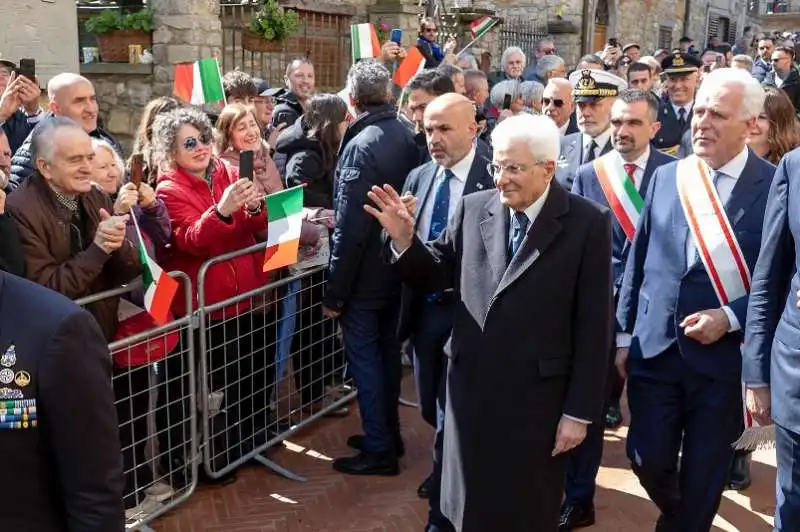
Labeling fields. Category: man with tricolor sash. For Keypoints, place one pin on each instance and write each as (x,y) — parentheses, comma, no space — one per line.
(617,180)
(684,299)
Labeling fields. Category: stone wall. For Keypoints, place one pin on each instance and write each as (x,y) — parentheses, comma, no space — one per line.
(122,92)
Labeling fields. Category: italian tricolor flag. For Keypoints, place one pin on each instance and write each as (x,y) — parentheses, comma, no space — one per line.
(159,288)
(285,212)
(481,26)
(344,94)
(413,63)
(199,82)
(364,41)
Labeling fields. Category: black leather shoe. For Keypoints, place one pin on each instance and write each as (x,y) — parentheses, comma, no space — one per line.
(365,463)
(357,442)
(613,417)
(739,479)
(575,516)
(424,489)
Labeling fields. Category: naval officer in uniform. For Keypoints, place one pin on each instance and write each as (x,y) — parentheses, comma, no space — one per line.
(675,114)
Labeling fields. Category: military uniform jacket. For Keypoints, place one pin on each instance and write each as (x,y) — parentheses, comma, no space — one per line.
(668,138)
(59,444)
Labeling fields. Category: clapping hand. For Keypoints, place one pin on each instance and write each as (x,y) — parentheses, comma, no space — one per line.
(393,215)
(410,202)
(110,233)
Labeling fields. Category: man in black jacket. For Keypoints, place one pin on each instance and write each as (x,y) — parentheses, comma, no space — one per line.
(19,104)
(362,290)
(784,75)
(72,96)
(300,85)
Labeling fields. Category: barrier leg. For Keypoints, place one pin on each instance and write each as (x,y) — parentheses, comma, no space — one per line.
(282,471)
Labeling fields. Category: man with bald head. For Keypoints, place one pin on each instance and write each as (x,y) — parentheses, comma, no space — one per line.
(558,105)
(71,96)
(454,171)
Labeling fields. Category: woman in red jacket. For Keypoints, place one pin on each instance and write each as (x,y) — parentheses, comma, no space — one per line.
(213,212)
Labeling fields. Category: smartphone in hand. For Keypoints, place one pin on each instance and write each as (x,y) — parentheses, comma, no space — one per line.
(27,68)
(246,165)
(397,36)
(506,101)
(137,169)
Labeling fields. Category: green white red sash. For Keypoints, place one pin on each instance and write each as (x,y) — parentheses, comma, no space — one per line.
(712,231)
(625,201)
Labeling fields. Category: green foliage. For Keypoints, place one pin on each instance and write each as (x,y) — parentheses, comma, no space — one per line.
(273,22)
(110,20)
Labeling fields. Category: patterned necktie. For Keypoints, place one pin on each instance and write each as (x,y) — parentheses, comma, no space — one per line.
(441,206)
(520,229)
(630,168)
(682,117)
(589,155)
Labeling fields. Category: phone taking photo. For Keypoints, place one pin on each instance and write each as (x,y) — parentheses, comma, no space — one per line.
(246,165)
(27,68)
(397,36)
(137,169)
(613,42)
(506,101)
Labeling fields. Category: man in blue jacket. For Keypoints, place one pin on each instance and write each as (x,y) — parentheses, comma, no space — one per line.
(684,300)
(362,290)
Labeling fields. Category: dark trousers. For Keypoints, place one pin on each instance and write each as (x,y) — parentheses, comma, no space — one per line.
(317,359)
(583,463)
(432,324)
(671,404)
(787,513)
(132,399)
(370,340)
(616,384)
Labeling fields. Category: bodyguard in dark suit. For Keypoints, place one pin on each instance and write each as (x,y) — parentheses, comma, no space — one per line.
(684,364)
(772,336)
(529,264)
(59,443)
(458,169)
(634,123)
(593,92)
(675,115)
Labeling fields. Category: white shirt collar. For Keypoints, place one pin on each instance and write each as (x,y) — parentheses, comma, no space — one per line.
(735,166)
(687,106)
(563,129)
(536,207)
(601,140)
(641,161)
(461,168)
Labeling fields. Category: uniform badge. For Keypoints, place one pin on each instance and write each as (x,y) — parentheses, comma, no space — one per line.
(9,358)
(22,379)
(6,376)
(479,186)
(11,393)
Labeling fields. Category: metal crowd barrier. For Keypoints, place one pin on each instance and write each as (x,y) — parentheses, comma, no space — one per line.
(157,410)
(236,378)
(248,401)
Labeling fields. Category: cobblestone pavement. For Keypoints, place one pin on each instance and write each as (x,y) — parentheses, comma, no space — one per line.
(260,501)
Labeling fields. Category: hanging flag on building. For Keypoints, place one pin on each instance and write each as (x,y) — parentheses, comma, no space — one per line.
(285,211)
(159,287)
(480,27)
(199,83)
(364,41)
(413,63)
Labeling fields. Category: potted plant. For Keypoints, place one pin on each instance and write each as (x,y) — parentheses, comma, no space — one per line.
(115,32)
(270,26)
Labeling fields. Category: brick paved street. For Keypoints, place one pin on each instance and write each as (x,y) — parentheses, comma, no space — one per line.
(261,501)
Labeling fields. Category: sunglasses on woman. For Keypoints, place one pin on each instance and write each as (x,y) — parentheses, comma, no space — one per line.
(192,143)
(548,101)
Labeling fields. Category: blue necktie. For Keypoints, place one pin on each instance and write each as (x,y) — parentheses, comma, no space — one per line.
(441,207)
(520,228)
(682,118)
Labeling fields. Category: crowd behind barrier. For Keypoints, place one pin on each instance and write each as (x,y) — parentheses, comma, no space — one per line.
(214,389)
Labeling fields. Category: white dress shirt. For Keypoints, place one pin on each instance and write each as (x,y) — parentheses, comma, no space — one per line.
(687,107)
(563,129)
(601,140)
(457,183)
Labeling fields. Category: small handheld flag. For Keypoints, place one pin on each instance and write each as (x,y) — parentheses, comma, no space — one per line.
(413,63)
(364,41)
(199,82)
(480,27)
(285,215)
(160,288)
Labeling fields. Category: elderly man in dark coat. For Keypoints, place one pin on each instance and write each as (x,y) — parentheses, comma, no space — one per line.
(531,266)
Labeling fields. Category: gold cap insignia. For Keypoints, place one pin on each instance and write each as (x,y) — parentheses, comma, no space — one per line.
(586,83)
(22,379)
(678,61)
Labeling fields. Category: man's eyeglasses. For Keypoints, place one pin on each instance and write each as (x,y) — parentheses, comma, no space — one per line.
(555,102)
(429,30)
(513,169)
(549,51)
(192,143)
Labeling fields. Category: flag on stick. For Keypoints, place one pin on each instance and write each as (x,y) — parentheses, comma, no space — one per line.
(364,41)
(413,63)
(481,26)
(199,83)
(159,287)
(285,212)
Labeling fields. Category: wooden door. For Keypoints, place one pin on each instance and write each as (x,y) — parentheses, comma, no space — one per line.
(599,40)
